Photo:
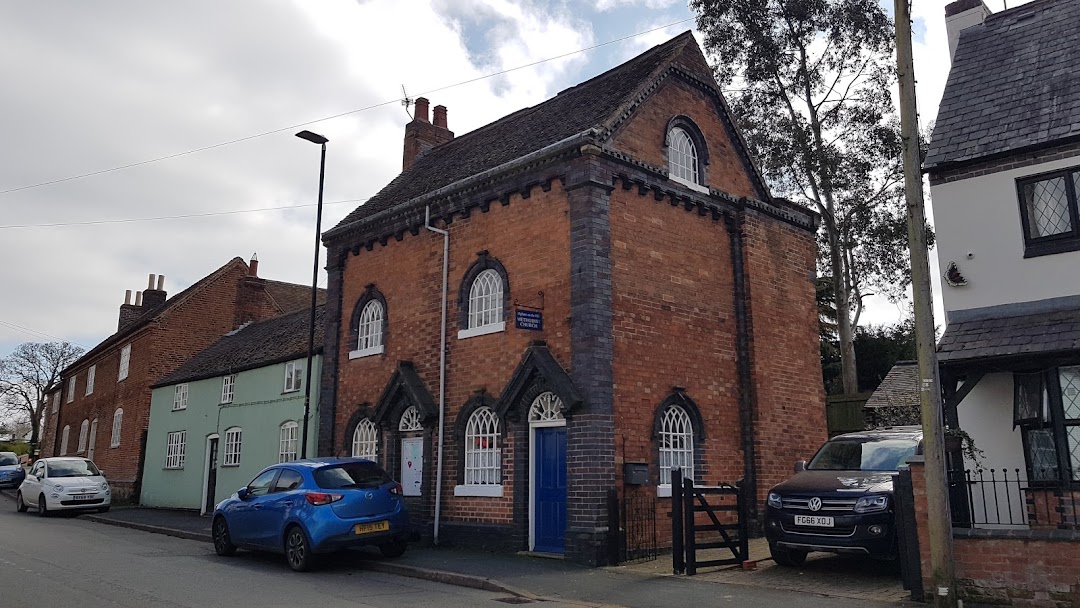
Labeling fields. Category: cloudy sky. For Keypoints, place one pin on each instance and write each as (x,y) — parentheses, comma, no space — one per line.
(90,87)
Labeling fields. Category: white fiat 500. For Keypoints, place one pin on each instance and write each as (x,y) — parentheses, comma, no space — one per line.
(64,484)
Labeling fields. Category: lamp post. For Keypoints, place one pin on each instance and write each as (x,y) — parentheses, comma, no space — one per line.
(314,138)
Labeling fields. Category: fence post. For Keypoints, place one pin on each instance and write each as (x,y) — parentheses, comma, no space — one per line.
(614,520)
(689,527)
(907,534)
(744,523)
(677,556)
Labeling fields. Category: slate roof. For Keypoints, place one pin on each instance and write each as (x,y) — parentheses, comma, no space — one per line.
(1013,84)
(576,110)
(900,388)
(292,297)
(1023,335)
(265,343)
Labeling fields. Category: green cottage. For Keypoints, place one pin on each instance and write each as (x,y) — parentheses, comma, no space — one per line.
(230,411)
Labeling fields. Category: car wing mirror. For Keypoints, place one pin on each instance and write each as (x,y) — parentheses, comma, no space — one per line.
(800,466)
(242,493)
(101,472)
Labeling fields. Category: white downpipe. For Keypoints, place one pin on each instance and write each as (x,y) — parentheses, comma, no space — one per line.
(442,368)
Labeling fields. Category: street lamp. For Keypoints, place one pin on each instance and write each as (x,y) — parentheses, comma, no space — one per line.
(314,138)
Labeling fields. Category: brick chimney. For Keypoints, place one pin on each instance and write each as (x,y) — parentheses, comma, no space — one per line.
(422,135)
(155,295)
(961,15)
(252,303)
(128,312)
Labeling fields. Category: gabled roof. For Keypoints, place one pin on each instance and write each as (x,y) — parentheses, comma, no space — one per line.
(595,104)
(1013,85)
(257,345)
(900,388)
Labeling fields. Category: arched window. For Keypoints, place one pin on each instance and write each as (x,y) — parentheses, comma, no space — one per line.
(676,444)
(486,300)
(64,440)
(370,331)
(482,453)
(117,424)
(410,420)
(547,407)
(287,441)
(365,440)
(83,430)
(682,156)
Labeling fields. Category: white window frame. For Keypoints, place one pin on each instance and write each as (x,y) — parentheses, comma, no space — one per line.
(676,449)
(84,428)
(234,438)
(228,388)
(410,420)
(125,362)
(287,441)
(175,449)
(483,455)
(90,373)
(486,311)
(365,440)
(117,427)
(294,379)
(369,331)
(683,165)
(64,440)
(71,389)
(180,397)
(56,402)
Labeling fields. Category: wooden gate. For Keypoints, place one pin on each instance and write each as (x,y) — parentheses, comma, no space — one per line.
(707,519)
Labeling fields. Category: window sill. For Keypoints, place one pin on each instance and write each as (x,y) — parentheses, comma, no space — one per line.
(178,409)
(231,465)
(172,469)
(663,491)
(689,184)
(479,490)
(483,330)
(1051,247)
(366,352)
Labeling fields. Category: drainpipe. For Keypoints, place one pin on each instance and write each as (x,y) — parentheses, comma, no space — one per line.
(442,368)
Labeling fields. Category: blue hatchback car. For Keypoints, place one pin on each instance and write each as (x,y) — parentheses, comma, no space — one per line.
(306,507)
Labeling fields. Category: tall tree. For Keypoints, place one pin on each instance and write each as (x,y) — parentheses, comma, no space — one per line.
(811,85)
(25,376)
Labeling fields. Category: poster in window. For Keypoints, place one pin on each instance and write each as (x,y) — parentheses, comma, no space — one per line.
(412,465)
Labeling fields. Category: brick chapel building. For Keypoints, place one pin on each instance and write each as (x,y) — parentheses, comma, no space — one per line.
(621,289)
(102,408)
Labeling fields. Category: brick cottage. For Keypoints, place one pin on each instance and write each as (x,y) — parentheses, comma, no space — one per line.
(621,291)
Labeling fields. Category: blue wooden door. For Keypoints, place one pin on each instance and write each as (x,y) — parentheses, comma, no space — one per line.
(549,507)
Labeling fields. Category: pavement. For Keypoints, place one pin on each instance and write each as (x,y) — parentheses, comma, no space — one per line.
(825,580)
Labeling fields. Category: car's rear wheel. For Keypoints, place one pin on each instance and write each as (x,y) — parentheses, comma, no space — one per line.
(42,508)
(20,506)
(223,544)
(298,550)
(790,558)
(394,549)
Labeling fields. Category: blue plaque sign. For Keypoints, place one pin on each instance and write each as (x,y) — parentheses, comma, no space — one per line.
(529,319)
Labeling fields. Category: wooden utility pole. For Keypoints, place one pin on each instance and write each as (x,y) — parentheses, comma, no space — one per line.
(937,506)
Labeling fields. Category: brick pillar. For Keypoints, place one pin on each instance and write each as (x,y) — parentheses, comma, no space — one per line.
(326,416)
(590,432)
(922,524)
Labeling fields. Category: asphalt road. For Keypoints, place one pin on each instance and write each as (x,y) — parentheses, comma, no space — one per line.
(65,561)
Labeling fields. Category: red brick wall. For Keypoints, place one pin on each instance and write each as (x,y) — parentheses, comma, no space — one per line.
(789,396)
(530,237)
(1004,571)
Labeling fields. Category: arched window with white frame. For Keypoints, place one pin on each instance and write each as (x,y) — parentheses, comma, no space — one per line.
(365,440)
(370,334)
(676,436)
(410,420)
(483,456)
(486,300)
(117,425)
(83,430)
(287,441)
(64,440)
(682,156)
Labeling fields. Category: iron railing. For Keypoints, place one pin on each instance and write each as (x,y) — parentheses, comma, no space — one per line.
(1004,499)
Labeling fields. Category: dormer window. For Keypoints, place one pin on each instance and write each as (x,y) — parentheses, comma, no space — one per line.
(686,154)
(1048,210)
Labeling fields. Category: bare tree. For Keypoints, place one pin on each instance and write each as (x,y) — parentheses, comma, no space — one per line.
(27,373)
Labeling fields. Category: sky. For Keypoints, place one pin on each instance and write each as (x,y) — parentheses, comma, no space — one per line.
(93,87)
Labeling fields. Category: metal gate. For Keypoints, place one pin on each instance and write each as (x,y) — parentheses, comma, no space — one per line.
(707,519)
(632,525)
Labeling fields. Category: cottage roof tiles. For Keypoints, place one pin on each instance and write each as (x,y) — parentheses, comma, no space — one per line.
(1032,334)
(1012,85)
(900,388)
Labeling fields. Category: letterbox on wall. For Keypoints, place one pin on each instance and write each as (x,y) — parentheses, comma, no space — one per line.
(635,473)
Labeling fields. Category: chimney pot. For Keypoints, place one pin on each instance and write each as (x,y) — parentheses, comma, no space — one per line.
(421,112)
(150,282)
(138,298)
(160,282)
(253,266)
(127,297)
(440,117)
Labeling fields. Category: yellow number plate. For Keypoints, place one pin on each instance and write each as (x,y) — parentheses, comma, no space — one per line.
(375,526)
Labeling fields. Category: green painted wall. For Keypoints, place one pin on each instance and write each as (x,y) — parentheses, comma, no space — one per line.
(259,408)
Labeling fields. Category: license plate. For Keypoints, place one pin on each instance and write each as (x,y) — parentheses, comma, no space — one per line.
(81,496)
(375,526)
(814,520)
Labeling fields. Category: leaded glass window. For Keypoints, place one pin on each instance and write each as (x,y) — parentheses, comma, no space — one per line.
(482,453)
(365,440)
(546,408)
(682,156)
(486,299)
(1048,205)
(676,444)
(370,330)
(410,420)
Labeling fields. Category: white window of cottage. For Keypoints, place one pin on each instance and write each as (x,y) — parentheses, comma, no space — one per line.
(365,440)
(228,388)
(175,450)
(90,373)
(370,330)
(232,447)
(117,425)
(287,441)
(64,440)
(71,389)
(83,430)
(180,395)
(482,453)
(676,444)
(125,362)
(293,375)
